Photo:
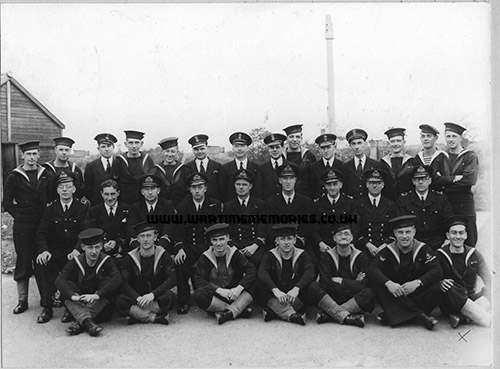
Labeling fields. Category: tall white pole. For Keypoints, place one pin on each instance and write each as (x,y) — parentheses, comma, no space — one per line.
(329,63)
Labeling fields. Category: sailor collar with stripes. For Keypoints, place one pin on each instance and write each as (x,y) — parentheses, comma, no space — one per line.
(210,255)
(295,255)
(71,165)
(434,156)
(124,157)
(80,259)
(416,247)
(388,158)
(352,256)
(21,171)
(136,257)
(446,251)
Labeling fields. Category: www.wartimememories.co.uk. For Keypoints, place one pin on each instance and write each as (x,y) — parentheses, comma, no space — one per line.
(253,219)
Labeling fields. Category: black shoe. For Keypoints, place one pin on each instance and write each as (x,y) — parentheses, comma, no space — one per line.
(354,320)
(132,321)
(456,320)
(382,319)
(224,316)
(183,309)
(246,313)
(298,318)
(74,329)
(323,317)
(427,321)
(268,314)
(45,316)
(162,319)
(92,328)
(21,307)
(67,317)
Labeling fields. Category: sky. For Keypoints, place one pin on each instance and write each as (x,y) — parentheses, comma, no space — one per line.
(183,69)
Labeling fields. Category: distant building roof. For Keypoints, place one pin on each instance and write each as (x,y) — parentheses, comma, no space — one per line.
(8,77)
(81,153)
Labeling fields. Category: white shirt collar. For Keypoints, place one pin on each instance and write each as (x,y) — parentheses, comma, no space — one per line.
(104,162)
(333,199)
(204,161)
(363,160)
(68,204)
(279,160)
(109,207)
(198,203)
(238,163)
(328,162)
(424,195)
(286,197)
(148,206)
(246,200)
(377,199)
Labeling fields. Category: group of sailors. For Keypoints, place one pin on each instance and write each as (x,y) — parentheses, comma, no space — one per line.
(408,245)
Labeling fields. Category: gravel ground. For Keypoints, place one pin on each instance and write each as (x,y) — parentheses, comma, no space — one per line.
(195,340)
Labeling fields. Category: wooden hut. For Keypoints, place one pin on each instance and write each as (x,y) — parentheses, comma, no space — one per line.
(24,118)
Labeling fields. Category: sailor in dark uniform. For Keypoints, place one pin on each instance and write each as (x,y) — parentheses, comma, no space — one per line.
(130,166)
(397,163)
(25,195)
(57,237)
(148,278)
(88,284)
(432,156)
(203,164)
(247,234)
(461,266)
(112,217)
(198,212)
(405,277)
(62,149)
(375,210)
(241,141)
(464,168)
(155,210)
(354,183)
(275,147)
(298,154)
(99,170)
(224,278)
(430,207)
(284,276)
(335,207)
(312,173)
(290,204)
(342,293)
(172,172)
